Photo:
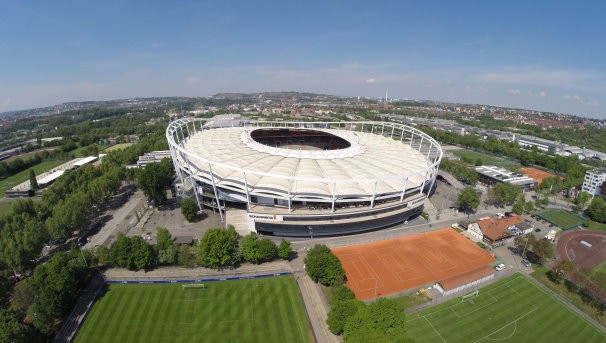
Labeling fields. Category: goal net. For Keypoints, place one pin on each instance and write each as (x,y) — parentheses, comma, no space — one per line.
(470,296)
(194,285)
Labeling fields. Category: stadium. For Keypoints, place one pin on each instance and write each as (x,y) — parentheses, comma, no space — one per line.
(305,178)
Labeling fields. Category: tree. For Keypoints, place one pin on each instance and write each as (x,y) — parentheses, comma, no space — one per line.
(340,293)
(104,256)
(468,200)
(257,250)
(323,266)
(503,193)
(543,248)
(186,256)
(142,254)
(23,295)
(340,312)
(597,210)
(153,180)
(518,207)
(219,248)
(387,315)
(120,251)
(33,183)
(529,206)
(284,249)
(189,208)
(12,330)
(582,200)
(165,246)
(381,321)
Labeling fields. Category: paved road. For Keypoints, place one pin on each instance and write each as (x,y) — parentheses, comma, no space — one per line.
(119,216)
(418,225)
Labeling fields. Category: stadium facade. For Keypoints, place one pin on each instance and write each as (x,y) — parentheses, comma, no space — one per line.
(306,178)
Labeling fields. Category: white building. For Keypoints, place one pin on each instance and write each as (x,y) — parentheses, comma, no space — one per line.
(593,181)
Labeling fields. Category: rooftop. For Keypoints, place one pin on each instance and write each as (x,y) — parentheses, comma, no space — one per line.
(494,229)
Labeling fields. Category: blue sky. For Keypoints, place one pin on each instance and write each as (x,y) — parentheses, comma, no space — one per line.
(544,55)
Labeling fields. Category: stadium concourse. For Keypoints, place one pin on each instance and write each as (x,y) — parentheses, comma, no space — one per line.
(443,258)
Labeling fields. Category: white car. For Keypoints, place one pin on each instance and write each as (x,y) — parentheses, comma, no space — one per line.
(500,267)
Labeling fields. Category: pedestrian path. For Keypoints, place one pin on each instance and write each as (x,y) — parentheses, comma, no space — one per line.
(317,310)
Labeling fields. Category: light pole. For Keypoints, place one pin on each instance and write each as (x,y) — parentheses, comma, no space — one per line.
(311,232)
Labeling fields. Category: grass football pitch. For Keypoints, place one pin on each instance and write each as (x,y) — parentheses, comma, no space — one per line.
(561,218)
(254,310)
(511,310)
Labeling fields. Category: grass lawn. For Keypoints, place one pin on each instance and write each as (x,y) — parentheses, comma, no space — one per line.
(563,219)
(601,267)
(117,147)
(596,226)
(511,310)
(22,176)
(486,159)
(412,300)
(6,203)
(255,310)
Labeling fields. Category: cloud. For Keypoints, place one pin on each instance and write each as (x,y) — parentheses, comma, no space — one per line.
(578,98)
(371,81)
(541,94)
(572,97)
(513,91)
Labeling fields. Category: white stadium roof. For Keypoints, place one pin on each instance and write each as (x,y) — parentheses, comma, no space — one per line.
(351,172)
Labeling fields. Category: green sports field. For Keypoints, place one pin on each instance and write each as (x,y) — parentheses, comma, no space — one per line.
(562,219)
(254,310)
(23,176)
(511,310)
(117,147)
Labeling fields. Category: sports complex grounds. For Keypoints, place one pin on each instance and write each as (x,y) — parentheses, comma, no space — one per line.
(266,309)
(562,219)
(511,310)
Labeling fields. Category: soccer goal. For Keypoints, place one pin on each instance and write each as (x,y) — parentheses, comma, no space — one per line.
(194,285)
(470,296)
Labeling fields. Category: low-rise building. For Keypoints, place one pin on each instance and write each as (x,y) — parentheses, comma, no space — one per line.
(491,175)
(152,157)
(497,230)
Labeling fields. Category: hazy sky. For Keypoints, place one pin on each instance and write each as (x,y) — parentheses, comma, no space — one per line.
(545,55)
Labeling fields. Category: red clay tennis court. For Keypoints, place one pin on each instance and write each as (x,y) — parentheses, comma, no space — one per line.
(536,174)
(395,265)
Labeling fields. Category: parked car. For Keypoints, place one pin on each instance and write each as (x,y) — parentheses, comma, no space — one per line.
(526,263)
(500,267)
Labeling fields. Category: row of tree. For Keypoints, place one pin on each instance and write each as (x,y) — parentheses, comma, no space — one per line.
(221,248)
(45,297)
(589,285)
(460,170)
(66,207)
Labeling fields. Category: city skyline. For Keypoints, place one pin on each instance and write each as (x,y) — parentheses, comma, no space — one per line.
(541,56)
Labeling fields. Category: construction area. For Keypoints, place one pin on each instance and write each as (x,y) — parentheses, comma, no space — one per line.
(396,265)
